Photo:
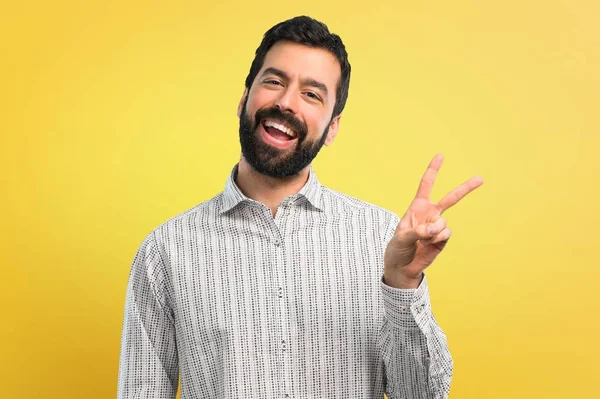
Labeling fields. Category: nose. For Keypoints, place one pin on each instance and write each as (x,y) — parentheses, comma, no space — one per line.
(288,101)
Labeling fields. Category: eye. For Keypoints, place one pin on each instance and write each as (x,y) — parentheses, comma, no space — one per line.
(272,82)
(313,95)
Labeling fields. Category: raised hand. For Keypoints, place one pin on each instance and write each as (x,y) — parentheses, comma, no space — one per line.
(422,232)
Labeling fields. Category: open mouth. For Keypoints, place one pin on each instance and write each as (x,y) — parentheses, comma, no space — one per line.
(278,130)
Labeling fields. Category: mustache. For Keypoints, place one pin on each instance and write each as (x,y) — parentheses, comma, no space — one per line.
(275,113)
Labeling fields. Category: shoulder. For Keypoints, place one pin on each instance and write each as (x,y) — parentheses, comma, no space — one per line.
(188,221)
(338,203)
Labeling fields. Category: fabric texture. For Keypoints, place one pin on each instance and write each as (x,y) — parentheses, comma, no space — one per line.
(238,304)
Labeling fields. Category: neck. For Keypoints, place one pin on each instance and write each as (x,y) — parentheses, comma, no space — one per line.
(268,190)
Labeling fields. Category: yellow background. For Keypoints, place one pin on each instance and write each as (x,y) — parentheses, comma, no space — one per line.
(116,116)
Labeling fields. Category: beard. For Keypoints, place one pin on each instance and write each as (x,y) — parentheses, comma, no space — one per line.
(271,161)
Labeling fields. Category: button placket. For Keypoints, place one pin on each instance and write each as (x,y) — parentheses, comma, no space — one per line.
(284,222)
(279,259)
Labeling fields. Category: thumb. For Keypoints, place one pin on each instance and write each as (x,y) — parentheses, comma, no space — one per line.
(408,237)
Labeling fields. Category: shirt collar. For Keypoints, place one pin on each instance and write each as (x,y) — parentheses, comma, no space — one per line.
(232,195)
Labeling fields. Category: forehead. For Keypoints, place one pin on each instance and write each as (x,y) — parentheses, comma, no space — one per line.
(300,62)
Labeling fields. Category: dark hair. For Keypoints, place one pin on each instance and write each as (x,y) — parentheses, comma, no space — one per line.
(310,32)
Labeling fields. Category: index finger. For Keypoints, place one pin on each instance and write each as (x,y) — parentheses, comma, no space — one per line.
(428,178)
(459,193)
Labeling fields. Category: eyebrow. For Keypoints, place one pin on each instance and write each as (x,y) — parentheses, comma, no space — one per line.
(306,81)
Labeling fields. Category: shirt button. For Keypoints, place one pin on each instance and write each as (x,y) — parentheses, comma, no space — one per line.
(277,243)
(283,345)
(280,292)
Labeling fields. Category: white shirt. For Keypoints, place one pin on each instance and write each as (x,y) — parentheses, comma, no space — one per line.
(238,304)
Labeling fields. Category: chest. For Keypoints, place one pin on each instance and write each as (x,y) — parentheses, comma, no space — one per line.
(271,275)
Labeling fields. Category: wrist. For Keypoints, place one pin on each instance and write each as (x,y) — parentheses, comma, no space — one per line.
(397,280)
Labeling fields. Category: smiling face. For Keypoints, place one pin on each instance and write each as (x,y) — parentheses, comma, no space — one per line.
(286,116)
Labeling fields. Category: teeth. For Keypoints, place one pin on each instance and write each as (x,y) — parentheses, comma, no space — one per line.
(283,128)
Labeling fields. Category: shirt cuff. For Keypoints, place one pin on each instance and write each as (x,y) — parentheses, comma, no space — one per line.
(407,308)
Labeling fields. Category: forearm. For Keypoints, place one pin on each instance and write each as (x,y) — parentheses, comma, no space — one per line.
(415,350)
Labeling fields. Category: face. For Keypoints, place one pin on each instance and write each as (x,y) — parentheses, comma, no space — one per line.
(286,116)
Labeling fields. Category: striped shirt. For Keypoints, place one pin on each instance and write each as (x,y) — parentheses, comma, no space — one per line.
(236,303)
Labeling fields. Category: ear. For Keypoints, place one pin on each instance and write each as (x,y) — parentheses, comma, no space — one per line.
(333,130)
(241,103)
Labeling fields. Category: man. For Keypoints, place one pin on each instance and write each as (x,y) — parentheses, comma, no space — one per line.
(279,287)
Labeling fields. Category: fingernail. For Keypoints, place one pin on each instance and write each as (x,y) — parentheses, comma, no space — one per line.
(431,229)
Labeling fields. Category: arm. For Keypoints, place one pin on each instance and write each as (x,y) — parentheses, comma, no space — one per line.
(148,365)
(415,350)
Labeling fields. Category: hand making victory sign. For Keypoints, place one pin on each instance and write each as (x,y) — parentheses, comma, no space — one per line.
(422,233)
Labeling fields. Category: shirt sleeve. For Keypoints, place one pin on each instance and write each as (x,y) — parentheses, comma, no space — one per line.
(415,351)
(148,364)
